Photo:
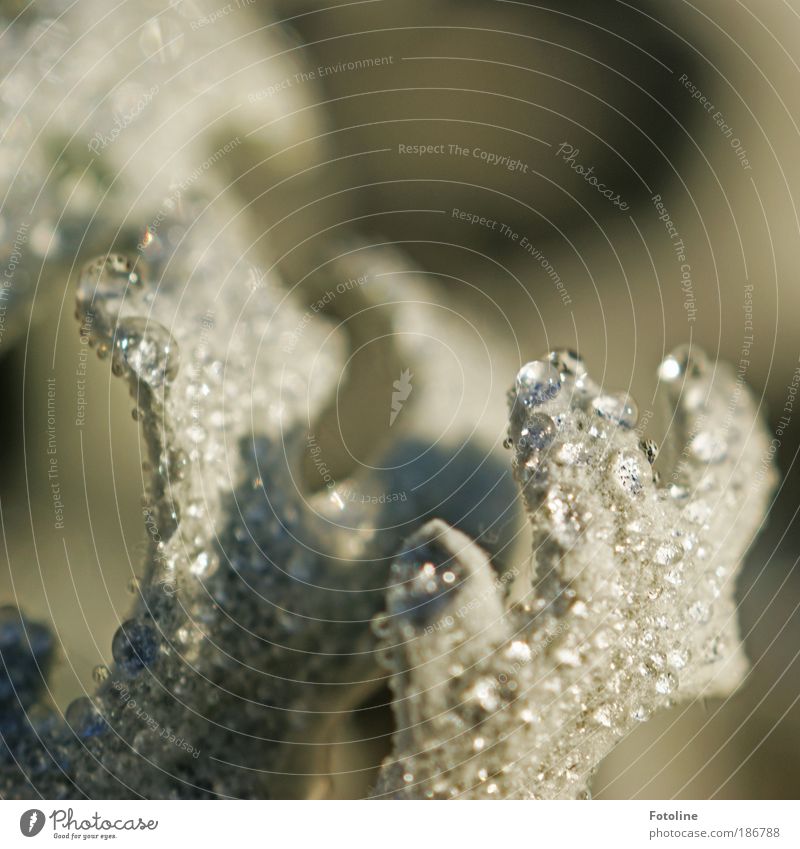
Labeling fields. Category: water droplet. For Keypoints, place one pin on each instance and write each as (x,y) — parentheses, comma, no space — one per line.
(617,407)
(603,717)
(146,349)
(84,718)
(667,554)
(700,612)
(698,512)
(178,464)
(101,673)
(538,382)
(519,651)
(105,281)
(603,638)
(204,565)
(537,434)
(568,362)
(627,473)
(666,683)
(571,453)
(674,577)
(678,492)
(650,449)
(539,430)
(678,658)
(670,369)
(485,694)
(567,657)
(714,649)
(683,361)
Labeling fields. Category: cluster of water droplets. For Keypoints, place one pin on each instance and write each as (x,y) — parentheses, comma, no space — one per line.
(130,127)
(112,303)
(629,605)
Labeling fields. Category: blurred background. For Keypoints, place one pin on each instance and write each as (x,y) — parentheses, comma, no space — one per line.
(613,177)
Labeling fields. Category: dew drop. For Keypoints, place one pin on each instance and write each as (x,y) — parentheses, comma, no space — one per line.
(204,565)
(667,554)
(700,612)
(568,362)
(537,382)
(100,673)
(146,349)
(666,683)
(683,361)
(537,434)
(519,651)
(602,716)
(84,718)
(678,658)
(714,649)
(617,407)
(627,473)
(674,577)
(650,449)
(105,281)
(485,694)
